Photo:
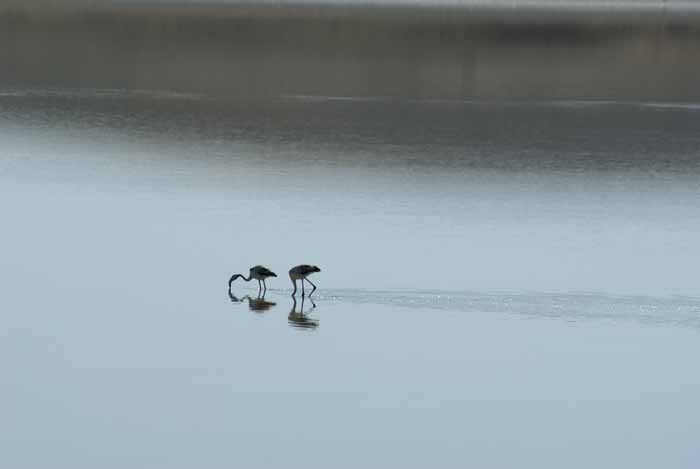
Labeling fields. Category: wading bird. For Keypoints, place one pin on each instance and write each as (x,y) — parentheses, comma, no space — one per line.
(300,272)
(258,273)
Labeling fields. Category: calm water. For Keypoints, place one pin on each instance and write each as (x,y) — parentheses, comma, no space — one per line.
(503,285)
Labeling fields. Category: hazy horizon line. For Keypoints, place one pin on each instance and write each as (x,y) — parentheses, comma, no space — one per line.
(661,12)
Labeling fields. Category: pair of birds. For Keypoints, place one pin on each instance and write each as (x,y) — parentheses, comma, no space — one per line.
(260,273)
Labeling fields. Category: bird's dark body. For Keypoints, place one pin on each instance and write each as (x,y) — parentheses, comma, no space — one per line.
(301,272)
(258,273)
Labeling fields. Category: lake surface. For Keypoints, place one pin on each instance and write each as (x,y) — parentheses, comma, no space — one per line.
(504,284)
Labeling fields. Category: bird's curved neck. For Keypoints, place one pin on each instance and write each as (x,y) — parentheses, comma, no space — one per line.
(237,276)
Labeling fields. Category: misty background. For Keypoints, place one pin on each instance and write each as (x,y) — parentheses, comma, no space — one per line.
(628,50)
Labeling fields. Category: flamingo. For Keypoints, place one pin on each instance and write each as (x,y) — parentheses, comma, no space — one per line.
(301,272)
(258,273)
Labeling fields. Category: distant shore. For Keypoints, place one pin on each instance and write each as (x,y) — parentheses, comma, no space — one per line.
(632,50)
(540,12)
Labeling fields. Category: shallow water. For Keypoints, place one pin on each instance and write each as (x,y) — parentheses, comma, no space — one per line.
(504,284)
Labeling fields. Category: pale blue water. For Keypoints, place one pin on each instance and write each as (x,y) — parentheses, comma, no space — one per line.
(503,285)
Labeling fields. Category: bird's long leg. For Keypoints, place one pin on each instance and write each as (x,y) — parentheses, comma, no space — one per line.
(312,284)
(259,287)
(302,288)
(264,287)
(295,289)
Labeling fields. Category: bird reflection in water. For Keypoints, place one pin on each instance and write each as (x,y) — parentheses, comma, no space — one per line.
(300,319)
(257,305)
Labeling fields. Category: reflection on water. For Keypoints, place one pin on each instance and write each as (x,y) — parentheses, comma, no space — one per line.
(300,319)
(298,316)
(257,305)
(571,307)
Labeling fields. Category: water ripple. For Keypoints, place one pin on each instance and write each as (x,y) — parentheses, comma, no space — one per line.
(672,310)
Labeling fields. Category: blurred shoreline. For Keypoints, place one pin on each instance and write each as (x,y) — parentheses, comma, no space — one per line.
(643,50)
(504,11)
